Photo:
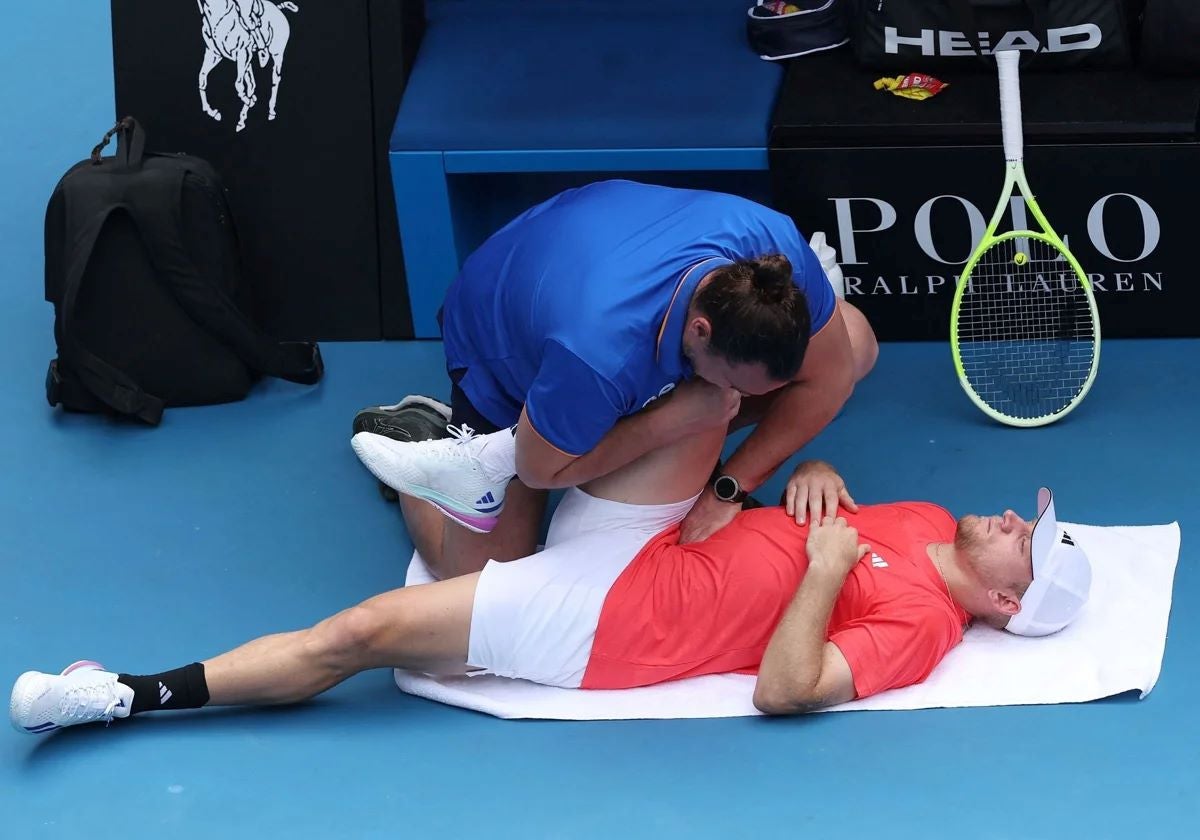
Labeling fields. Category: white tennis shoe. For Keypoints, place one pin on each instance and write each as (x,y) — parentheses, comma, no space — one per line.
(82,693)
(447,473)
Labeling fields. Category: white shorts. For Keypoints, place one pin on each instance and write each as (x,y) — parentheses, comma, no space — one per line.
(535,618)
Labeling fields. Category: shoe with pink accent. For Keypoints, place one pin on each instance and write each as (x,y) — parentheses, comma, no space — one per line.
(446,473)
(82,693)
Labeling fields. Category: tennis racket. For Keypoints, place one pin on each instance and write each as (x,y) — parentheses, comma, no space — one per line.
(1024,329)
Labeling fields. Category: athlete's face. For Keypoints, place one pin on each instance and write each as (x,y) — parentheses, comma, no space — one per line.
(998,548)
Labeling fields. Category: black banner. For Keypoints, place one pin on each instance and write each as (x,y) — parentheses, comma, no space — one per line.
(904,222)
(279,97)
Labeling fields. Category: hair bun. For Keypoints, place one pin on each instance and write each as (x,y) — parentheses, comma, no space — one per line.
(771,277)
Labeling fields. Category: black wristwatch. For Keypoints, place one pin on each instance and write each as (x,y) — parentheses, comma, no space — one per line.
(727,489)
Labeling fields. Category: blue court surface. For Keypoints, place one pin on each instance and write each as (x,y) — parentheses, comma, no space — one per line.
(150,549)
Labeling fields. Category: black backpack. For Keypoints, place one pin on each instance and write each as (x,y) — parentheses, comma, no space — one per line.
(143,270)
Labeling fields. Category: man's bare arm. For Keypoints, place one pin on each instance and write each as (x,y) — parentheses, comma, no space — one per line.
(801,670)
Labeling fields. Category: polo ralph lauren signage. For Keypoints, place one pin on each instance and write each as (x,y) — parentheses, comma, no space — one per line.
(1100,236)
(905,221)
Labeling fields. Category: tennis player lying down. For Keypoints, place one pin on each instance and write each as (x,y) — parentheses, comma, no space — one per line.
(824,613)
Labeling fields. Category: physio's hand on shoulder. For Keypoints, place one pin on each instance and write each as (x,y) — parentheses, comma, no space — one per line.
(833,545)
(697,405)
(815,490)
(706,517)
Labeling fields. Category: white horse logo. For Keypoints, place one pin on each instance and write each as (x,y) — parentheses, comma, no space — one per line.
(236,30)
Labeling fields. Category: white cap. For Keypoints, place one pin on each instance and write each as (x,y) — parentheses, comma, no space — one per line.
(1062,577)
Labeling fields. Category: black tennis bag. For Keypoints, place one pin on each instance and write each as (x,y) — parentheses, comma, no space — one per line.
(918,36)
(150,311)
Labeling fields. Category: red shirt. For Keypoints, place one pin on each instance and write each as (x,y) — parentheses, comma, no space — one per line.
(711,607)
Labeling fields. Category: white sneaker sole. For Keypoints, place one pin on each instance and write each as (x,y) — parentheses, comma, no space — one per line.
(20,689)
(416,399)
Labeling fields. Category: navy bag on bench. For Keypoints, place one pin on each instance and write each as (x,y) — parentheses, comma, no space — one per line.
(142,269)
(924,35)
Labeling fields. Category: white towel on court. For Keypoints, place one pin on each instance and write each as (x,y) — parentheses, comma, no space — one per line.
(1116,645)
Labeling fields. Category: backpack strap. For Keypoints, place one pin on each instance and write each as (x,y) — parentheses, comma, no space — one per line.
(131,145)
(156,212)
(105,383)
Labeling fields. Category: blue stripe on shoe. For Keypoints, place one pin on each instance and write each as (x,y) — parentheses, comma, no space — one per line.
(45,727)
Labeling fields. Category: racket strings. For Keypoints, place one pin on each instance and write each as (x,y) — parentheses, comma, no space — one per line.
(1025,329)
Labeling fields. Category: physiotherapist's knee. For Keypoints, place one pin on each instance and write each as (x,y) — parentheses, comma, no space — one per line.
(865,355)
(863,344)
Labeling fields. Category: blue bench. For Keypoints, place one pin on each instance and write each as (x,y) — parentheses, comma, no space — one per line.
(511,100)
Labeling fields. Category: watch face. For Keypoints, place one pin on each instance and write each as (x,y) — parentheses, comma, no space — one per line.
(725,488)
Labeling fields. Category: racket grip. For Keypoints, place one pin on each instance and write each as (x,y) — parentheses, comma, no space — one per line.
(1008,62)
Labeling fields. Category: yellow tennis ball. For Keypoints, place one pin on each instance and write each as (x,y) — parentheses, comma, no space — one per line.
(1020,258)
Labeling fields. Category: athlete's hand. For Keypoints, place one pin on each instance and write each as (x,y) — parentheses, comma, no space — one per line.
(833,546)
(814,491)
(697,405)
(706,517)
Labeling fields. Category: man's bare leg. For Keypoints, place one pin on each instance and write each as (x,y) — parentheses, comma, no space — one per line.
(655,478)
(450,550)
(424,628)
(426,528)
(671,474)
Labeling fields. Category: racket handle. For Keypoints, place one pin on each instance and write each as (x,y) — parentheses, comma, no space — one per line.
(1010,103)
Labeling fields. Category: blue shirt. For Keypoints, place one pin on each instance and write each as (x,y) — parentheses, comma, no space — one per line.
(576,308)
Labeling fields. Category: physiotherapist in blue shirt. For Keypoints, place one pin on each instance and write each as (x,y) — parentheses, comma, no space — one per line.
(613,318)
